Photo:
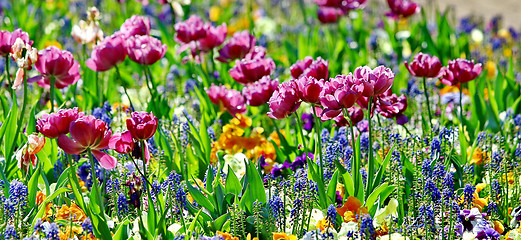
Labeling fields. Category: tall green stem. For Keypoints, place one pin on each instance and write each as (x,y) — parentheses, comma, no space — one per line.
(9,76)
(95,185)
(353,143)
(51,93)
(142,143)
(125,88)
(461,102)
(370,160)
(301,133)
(319,140)
(425,91)
(152,93)
(20,120)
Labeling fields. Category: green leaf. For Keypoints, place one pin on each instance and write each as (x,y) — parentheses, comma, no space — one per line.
(33,187)
(233,185)
(331,188)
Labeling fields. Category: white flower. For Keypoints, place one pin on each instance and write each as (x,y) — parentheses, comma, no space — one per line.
(347,228)
(386,213)
(394,236)
(237,163)
(468,236)
(316,215)
(174,228)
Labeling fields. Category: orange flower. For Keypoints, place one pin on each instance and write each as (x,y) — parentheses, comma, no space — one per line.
(498,226)
(40,197)
(66,212)
(478,156)
(49,211)
(275,137)
(323,224)
(283,236)
(65,235)
(351,208)
(27,154)
(241,121)
(226,236)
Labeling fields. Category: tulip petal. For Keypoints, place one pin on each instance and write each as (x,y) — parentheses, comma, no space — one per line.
(70,146)
(106,161)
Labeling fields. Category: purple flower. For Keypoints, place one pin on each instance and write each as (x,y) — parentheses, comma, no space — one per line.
(402,8)
(145,50)
(308,121)
(284,101)
(259,92)
(215,36)
(460,71)
(249,71)
(56,63)
(109,53)
(237,47)
(136,25)
(424,65)
(192,29)
(318,69)
(7,40)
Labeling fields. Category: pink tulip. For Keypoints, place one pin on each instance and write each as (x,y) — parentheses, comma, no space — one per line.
(60,64)
(122,142)
(348,5)
(215,36)
(318,69)
(7,39)
(424,65)
(192,29)
(249,71)
(229,99)
(237,47)
(284,101)
(402,8)
(309,89)
(256,53)
(329,3)
(341,92)
(390,105)
(145,50)
(55,124)
(142,125)
(375,81)
(259,92)
(89,133)
(329,14)
(460,71)
(109,53)
(135,26)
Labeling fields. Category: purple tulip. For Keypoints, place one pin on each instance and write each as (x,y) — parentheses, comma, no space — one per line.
(402,8)
(249,71)
(424,65)
(7,39)
(259,92)
(142,125)
(460,71)
(136,25)
(339,93)
(145,50)
(237,47)
(55,124)
(329,14)
(309,89)
(376,81)
(60,64)
(318,69)
(284,101)
(109,53)
(215,36)
(390,105)
(230,99)
(192,29)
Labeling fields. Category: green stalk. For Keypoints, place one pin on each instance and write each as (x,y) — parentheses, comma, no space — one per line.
(370,160)
(9,76)
(152,93)
(319,140)
(427,99)
(95,183)
(460,103)
(125,88)
(51,93)
(142,143)
(301,132)
(353,142)
(20,120)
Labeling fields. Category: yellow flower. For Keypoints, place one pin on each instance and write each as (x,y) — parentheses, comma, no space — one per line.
(65,235)
(249,237)
(498,226)
(478,156)
(241,121)
(283,236)
(53,43)
(491,68)
(65,212)
(49,211)
(351,208)
(323,224)
(215,13)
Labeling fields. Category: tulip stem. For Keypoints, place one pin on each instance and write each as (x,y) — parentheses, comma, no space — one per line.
(20,120)
(8,76)
(319,141)
(354,161)
(370,161)
(95,183)
(461,102)
(425,91)
(51,93)
(151,202)
(152,94)
(301,133)
(124,88)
